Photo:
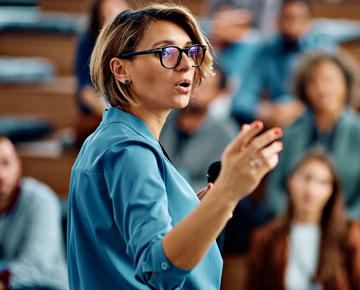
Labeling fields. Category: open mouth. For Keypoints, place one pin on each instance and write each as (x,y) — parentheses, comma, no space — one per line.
(184,85)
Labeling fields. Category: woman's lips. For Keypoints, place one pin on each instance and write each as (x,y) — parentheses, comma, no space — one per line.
(182,89)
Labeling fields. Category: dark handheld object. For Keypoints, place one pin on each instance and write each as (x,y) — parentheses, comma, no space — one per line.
(213,171)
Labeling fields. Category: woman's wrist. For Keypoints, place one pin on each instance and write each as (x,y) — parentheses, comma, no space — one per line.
(221,198)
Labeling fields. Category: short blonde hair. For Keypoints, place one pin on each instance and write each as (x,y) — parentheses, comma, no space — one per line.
(124,33)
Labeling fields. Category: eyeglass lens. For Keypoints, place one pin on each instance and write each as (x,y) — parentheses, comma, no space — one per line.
(171,55)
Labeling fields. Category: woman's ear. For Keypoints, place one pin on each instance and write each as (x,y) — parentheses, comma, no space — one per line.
(119,68)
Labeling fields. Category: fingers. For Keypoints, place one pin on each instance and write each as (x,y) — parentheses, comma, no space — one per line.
(264,140)
(247,133)
(270,155)
(202,193)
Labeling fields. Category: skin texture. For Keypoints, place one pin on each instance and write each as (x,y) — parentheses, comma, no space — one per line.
(294,20)
(310,188)
(326,93)
(229,26)
(156,87)
(10,170)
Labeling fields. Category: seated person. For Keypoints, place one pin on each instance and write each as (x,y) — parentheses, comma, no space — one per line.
(264,92)
(90,104)
(314,245)
(235,29)
(31,241)
(325,83)
(251,14)
(193,137)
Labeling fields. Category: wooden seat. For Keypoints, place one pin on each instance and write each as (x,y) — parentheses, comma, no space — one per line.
(353,48)
(59,48)
(52,170)
(53,101)
(68,6)
(349,9)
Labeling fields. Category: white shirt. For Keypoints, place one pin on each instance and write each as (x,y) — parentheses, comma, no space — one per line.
(303,257)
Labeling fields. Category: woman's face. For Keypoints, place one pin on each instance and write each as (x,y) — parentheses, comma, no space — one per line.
(310,187)
(325,88)
(158,88)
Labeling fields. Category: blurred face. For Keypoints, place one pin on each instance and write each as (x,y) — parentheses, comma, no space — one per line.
(294,20)
(9,170)
(310,188)
(326,88)
(206,92)
(159,88)
(110,8)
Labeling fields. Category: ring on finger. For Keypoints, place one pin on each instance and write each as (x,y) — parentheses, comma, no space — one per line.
(254,163)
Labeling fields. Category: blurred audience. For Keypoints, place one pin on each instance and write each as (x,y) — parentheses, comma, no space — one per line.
(264,93)
(193,137)
(325,83)
(235,30)
(31,241)
(314,245)
(230,17)
(90,104)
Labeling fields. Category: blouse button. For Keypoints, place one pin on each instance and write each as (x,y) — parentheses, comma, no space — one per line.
(164,266)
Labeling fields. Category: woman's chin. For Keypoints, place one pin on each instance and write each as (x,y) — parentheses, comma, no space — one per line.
(181,101)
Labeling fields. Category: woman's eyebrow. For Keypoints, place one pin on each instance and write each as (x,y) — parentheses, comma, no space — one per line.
(163,42)
(168,42)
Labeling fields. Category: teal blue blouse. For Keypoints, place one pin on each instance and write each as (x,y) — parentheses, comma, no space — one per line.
(125,195)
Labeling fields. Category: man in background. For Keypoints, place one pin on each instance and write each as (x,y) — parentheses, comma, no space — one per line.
(31,242)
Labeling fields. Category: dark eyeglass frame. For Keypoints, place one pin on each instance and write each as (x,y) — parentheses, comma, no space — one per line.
(160,50)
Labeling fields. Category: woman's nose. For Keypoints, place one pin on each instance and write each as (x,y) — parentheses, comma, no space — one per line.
(186,62)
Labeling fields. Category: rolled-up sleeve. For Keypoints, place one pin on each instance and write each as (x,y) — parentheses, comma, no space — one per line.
(134,175)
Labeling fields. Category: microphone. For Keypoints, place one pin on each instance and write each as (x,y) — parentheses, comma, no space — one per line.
(213,171)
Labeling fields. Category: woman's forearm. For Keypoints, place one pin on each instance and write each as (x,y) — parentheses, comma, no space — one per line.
(187,243)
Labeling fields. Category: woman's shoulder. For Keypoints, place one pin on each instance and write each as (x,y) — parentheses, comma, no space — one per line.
(117,144)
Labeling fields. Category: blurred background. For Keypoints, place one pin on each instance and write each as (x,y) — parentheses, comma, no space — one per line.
(45,111)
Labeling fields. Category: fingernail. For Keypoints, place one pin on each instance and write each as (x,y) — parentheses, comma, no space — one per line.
(257,124)
(278,132)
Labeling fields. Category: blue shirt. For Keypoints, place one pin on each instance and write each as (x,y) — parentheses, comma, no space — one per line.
(125,195)
(272,69)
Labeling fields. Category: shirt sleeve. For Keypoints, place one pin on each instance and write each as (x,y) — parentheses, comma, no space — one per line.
(134,175)
(42,241)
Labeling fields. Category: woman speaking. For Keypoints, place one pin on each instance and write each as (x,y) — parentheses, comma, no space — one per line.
(134,222)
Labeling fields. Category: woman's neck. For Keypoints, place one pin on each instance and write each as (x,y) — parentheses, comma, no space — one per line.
(154,120)
(306,218)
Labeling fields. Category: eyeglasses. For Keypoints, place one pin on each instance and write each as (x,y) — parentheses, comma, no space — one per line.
(170,56)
